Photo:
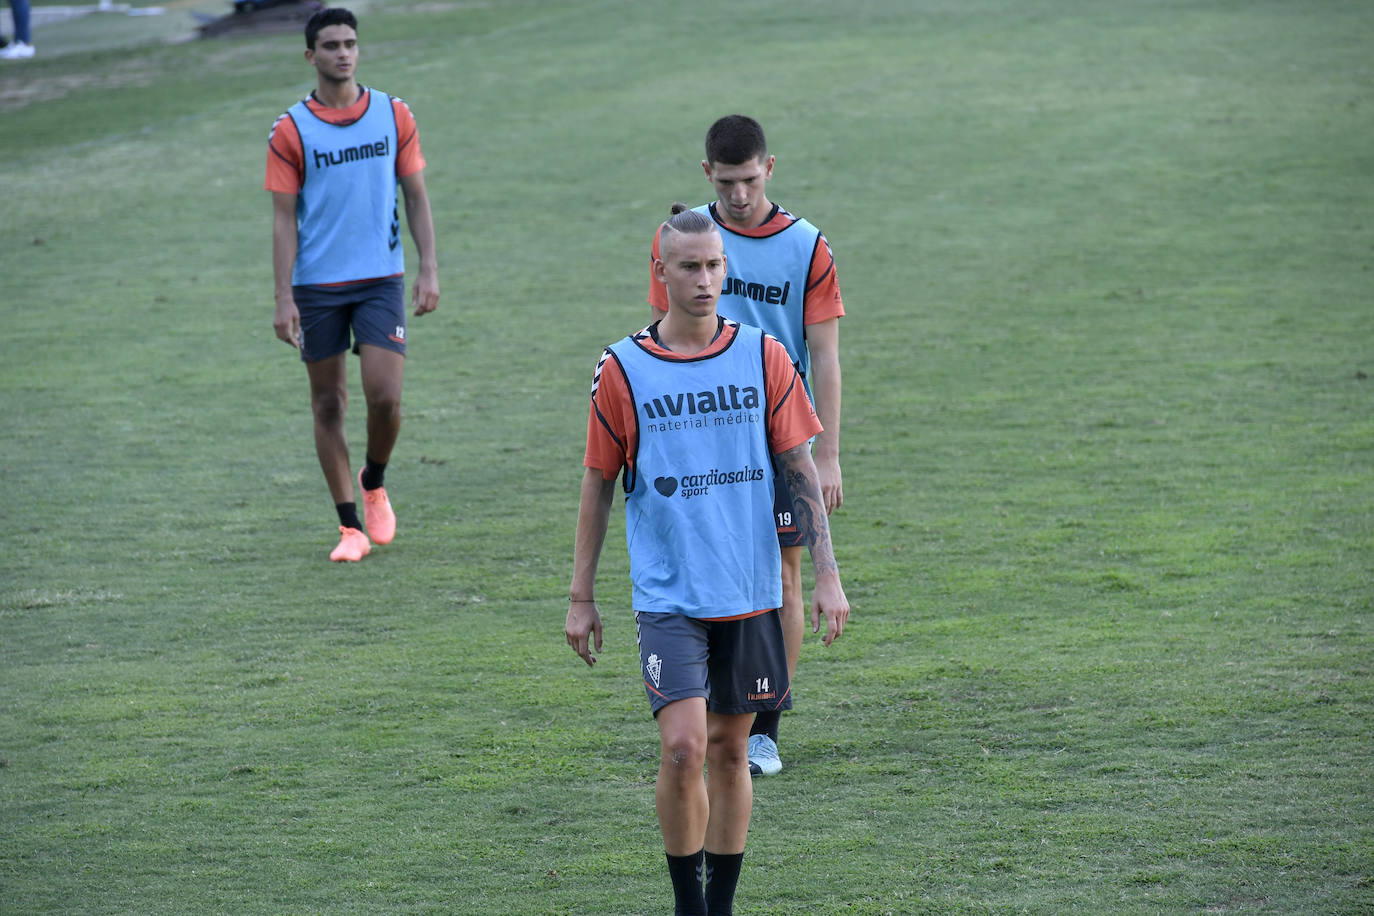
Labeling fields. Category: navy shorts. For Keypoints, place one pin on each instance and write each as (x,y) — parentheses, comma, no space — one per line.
(738,665)
(788,535)
(374,311)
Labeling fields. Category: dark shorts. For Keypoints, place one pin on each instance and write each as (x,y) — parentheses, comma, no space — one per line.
(374,311)
(788,535)
(739,666)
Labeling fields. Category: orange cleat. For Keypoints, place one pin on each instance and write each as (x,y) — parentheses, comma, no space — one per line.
(353,546)
(377,514)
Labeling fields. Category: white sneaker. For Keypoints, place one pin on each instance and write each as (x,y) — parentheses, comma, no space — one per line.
(763,756)
(20,50)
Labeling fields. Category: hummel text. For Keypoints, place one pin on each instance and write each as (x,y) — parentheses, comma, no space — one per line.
(773,295)
(358,153)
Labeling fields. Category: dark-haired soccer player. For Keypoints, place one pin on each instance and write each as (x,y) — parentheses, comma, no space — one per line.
(334,161)
(781,278)
(691,409)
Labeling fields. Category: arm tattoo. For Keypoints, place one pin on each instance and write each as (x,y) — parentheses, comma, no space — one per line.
(808,505)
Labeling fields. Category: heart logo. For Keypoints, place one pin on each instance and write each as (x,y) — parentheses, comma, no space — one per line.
(666,485)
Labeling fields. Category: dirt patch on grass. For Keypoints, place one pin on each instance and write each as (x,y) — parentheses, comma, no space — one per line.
(23,87)
(20,94)
(286,17)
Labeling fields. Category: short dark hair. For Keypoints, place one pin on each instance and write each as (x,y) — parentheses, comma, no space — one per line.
(735,139)
(684,221)
(332,15)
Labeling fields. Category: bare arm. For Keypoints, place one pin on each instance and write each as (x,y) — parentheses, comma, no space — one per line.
(823,343)
(808,511)
(593,515)
(421,223)
(286,320)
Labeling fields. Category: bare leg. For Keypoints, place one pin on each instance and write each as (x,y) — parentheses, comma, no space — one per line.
(792,620)
(680,794)
(328,404)
(382,370)
(729,787)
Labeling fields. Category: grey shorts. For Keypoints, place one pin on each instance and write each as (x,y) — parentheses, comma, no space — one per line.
(738,665)
(373,311)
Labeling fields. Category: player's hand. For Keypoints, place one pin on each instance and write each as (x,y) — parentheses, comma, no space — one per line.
(832,484)
(286,322)
(828,599)
(583,629)
(425,295)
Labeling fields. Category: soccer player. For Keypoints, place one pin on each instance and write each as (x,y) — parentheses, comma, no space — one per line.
(334,161)
(782,279)
(690,409)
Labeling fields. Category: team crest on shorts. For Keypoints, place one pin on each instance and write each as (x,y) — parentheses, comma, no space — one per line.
(654,668)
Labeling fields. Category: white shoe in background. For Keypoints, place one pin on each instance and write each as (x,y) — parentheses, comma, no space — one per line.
(19,50)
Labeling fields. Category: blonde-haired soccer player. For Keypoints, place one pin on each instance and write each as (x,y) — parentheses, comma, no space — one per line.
(693,410)
(782,279)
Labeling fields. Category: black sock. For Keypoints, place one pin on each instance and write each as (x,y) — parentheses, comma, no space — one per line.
(372,475)
(348,515)
(688,900)
(722,874)
(766,723)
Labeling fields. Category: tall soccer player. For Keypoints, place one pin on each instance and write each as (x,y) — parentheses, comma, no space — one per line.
(781,278)
(692,410)
(334,161)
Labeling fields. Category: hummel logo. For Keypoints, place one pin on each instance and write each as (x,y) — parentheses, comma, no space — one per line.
(773,295)
(371,150)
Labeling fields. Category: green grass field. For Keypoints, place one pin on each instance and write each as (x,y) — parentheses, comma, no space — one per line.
(1108,445)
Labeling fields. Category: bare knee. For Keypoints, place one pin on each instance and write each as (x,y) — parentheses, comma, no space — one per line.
(385,403)
(727,756)
(382,371)
(329,406)
(727,742)
(684,753)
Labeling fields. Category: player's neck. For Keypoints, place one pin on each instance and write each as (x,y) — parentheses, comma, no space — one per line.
(688,334)
(754,221)
(337,94)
